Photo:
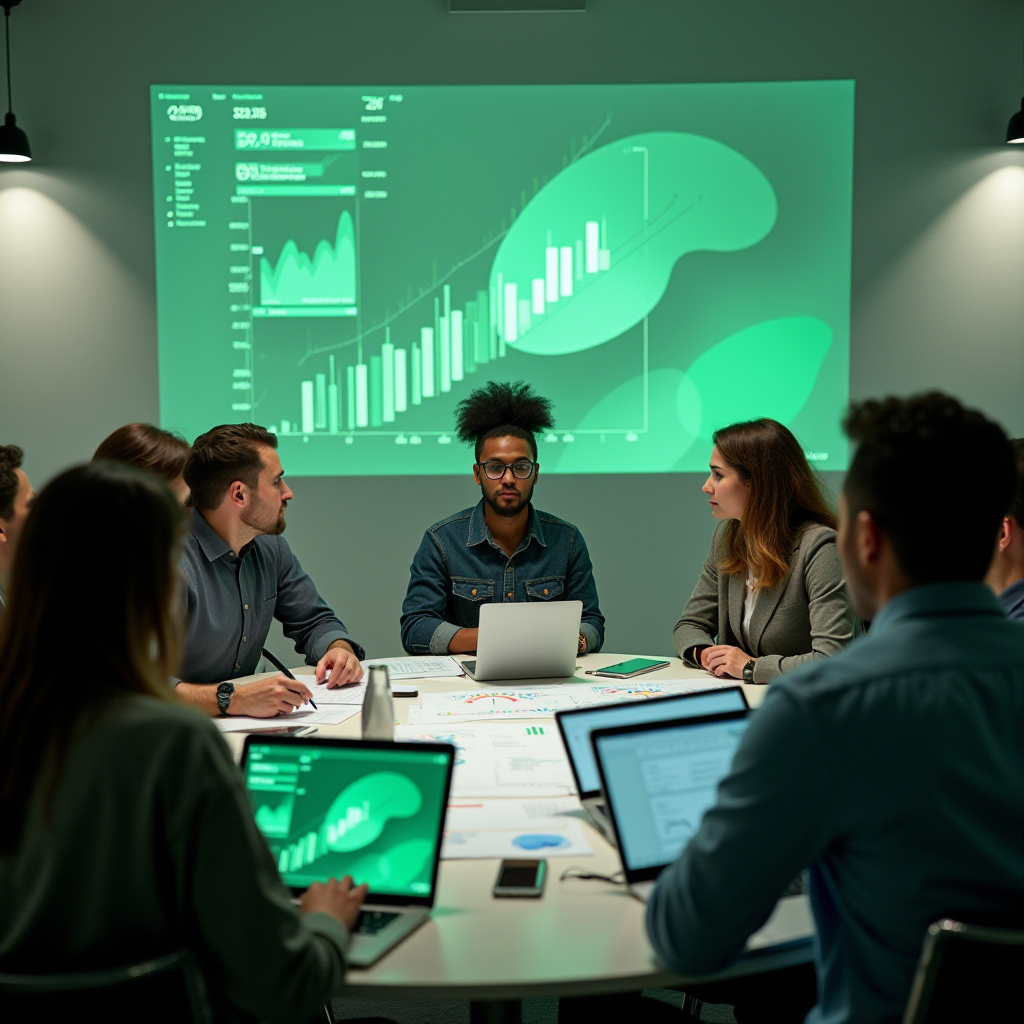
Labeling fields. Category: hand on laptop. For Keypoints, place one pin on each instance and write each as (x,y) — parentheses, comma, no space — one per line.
(464,642)
(340,900)
(266,698)
(339,666)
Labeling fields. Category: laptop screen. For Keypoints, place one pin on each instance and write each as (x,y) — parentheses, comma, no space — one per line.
(659,782)
(576,726)
(334,809)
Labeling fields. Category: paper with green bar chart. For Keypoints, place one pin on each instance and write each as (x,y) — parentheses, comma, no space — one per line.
(345,264)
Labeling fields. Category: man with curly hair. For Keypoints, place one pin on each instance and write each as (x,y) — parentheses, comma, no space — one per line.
(16,497)
(502,549)
(894,770)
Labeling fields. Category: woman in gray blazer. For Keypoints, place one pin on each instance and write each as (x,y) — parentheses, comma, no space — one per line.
(771,595)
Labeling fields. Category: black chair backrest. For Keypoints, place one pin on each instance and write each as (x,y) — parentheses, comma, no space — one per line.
(165,990)
(968,973)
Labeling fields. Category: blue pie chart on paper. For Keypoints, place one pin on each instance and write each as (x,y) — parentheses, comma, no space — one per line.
(540,841)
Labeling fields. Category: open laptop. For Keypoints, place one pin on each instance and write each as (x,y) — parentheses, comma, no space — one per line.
(659,778)
(528,640)
(370,809)
(575,727)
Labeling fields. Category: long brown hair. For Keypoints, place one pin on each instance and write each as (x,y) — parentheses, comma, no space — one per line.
(784,494)
(146,446)
(110,532)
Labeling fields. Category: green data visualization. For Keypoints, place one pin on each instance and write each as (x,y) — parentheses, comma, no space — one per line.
(343,265)
(334,812)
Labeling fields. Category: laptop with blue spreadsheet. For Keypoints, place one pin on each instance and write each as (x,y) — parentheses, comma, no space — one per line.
(371,809)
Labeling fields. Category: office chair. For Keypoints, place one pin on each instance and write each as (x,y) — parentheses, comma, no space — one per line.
(968,973)
(164,990)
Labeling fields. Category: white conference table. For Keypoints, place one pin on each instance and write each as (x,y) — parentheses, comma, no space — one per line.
(579,938)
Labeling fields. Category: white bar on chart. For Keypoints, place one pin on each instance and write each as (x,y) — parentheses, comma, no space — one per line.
(362,398)
(538,296)
(445,352)
(350,388)
(427,361)
(604,259)
(387,382)
(593,245)
(511,306)
(401,382)
(416,375)
(320,403)
(565,271)
(458,370)
(307,407)
(499,314)
(551,273)
(524,316)
(332,408)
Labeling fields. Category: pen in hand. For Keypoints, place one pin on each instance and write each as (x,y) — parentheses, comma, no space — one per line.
(273,661)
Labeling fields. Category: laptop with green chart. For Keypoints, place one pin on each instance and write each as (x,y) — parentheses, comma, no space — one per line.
(370,809)
(658,780)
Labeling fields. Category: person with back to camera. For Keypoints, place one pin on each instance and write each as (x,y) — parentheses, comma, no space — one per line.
(893,771)
(16,497)
(147,447)
(1006,573)
(771,595)
(127,833)
(503,549)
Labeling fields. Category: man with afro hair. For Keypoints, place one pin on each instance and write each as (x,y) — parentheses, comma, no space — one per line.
(502,549)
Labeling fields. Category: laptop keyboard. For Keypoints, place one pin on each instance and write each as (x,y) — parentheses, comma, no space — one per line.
(369,922)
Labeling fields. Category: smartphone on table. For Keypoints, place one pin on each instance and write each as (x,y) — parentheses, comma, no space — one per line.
(521,878)
(628,669)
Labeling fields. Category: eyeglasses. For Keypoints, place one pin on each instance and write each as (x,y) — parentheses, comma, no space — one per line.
(522,469)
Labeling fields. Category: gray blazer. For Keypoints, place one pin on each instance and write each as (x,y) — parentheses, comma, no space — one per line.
(805,616)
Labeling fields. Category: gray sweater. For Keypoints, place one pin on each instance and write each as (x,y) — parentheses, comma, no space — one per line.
(805,616)
(150,846)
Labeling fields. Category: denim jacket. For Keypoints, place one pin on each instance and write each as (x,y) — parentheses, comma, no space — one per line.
(459,566)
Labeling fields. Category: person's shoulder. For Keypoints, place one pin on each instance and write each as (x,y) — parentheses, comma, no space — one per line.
(552,520)
(453,522)
(811,536)
(153,724)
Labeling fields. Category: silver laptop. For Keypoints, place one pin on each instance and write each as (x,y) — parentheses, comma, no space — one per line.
(370,809)
(530,640)
(659,778)
(575,727)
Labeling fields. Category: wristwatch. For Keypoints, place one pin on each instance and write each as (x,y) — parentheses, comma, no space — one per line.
(748,671)
(582,645)
(224,694)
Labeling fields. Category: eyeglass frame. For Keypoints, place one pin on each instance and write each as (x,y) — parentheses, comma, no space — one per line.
(506,466)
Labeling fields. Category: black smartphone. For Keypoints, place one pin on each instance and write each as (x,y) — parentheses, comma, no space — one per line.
(521,878)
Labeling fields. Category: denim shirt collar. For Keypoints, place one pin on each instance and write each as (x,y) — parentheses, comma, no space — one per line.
(937,600)
(480,532)
(211,542)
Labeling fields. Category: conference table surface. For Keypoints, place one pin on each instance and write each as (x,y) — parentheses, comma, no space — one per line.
(580,937)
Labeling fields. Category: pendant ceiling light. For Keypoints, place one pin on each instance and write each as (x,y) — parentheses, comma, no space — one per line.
(1015,129)
(14,147)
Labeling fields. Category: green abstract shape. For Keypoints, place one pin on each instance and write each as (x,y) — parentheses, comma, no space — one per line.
(395,868)
(656,451)
(362,809)
(701,195)
(765,370)
(328,279)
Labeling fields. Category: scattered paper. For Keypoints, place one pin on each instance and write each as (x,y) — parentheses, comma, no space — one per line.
(514,829)
(351,694)
(520,759)
(305,715)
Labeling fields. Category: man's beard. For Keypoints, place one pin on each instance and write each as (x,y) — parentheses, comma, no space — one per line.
(509,511)
(261,519)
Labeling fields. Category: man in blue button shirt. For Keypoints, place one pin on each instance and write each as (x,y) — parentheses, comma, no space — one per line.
(503,549)
(1006,573)
(895,769)
(240,574)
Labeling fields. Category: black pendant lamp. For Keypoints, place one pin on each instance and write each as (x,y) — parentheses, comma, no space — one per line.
(14,147)
(1015,129)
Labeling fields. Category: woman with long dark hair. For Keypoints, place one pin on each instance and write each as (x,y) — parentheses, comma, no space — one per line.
(147,447)
(126,833)
(771,594)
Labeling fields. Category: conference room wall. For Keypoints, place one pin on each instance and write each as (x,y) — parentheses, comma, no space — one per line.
(938,230)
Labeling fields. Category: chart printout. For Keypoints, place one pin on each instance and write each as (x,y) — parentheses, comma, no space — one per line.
(344,264)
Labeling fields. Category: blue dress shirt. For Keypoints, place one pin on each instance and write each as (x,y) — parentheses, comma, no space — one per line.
(459,566)
(1012,600)
(232,599)
(895,771)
